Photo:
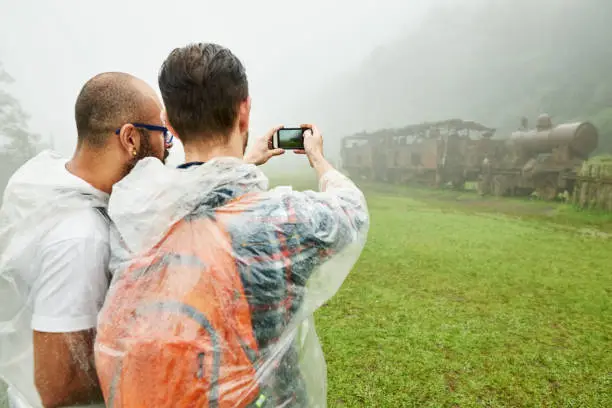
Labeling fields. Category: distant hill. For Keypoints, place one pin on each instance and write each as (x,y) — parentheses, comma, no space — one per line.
(492,63)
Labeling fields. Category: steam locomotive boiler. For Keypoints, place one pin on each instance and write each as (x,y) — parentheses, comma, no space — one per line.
(543,160)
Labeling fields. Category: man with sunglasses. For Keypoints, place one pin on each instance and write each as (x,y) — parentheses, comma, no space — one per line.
(54,241)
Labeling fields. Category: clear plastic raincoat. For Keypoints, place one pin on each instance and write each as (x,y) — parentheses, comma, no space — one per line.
(216,279)
(37,198)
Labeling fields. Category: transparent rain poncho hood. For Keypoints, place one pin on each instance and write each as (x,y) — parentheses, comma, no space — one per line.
(39,196)
(215,282)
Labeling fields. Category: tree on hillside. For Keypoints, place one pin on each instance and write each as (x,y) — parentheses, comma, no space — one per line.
(17,143)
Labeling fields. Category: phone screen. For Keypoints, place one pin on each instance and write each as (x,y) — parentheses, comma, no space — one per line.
(291,138)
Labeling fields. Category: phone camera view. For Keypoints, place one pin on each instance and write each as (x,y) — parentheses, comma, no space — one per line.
(291,138)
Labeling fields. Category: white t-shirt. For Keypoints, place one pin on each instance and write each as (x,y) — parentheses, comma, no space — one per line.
(68,278)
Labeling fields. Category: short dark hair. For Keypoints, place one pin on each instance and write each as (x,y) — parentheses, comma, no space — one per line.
(202,86)
(106,102)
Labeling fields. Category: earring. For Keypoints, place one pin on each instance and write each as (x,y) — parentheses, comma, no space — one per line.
(134,153)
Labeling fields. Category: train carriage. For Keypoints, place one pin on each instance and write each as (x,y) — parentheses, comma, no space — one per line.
(432,153)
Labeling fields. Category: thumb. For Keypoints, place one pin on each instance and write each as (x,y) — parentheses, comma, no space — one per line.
(275,152)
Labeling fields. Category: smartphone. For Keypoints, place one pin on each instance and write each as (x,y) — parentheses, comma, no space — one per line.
(290,138)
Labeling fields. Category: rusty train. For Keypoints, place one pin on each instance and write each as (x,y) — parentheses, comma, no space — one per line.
(543,160)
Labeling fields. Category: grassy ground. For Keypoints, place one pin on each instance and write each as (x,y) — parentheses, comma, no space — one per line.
(459,301)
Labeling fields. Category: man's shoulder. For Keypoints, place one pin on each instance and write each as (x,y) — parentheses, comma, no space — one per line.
(87,224)
(257,204)
(276,196)
(270,211)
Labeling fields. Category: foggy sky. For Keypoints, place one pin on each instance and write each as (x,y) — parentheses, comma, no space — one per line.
(290,49)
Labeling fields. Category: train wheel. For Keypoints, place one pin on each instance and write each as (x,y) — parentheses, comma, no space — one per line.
(547,189)
(484,184)
(523,192)
(458,184)
(499,186)
(483,187)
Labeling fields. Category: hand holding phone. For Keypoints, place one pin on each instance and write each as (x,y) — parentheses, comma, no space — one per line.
(313,149)
(263,148)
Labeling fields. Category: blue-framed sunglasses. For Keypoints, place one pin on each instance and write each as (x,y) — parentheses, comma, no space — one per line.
(168,137)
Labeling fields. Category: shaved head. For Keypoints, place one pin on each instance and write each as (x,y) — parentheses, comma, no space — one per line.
(107,102)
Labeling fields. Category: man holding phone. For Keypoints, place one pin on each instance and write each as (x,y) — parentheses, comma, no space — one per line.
(290,250)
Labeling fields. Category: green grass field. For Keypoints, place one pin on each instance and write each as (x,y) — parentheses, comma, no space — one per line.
(459,301)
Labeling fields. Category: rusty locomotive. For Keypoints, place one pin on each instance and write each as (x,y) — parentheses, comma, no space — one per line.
(543,160)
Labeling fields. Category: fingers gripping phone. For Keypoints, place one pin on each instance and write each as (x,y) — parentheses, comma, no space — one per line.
(290,138)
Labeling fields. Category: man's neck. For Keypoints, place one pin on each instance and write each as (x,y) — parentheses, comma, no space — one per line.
(199,153)
(92,167)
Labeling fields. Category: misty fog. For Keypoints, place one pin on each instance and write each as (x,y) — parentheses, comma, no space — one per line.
(290,49)
(346,66)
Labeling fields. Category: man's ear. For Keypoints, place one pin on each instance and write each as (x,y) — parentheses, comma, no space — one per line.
(129,137)
(167,124)
(244,113)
